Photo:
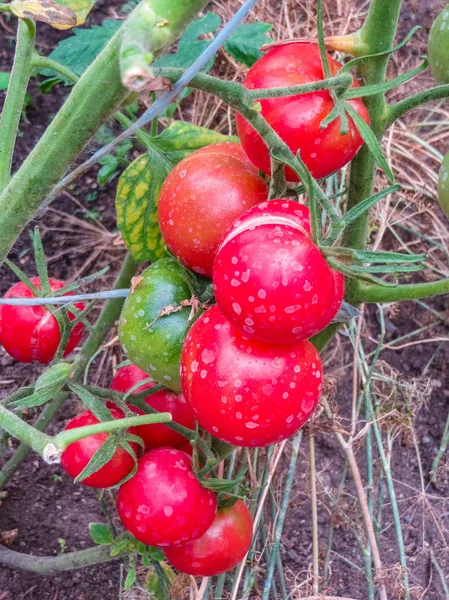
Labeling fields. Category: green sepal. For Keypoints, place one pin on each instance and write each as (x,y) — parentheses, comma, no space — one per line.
(101,457)
(96,406)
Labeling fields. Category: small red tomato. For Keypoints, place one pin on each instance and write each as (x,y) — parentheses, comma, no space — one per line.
(78,454)
(220,549)
(31,333)
(243,391)
(164,504)
(202,197)
(272,281)
(156,435)
(297,119)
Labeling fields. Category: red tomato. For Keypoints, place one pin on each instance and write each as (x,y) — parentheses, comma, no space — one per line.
(164,504)
(297,119)
(78,454)
(221,548)
(243,391)
(157,435)
(202,197)
(31,333)
(272,281)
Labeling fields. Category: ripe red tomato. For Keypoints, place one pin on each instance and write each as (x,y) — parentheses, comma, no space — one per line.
(31,333)
(220,549)
(78,454)
(157,435)
(243,391)
(164,504)
(287,298)
(202,197)
(297,119)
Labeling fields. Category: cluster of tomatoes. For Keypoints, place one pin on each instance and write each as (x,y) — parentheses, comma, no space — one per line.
(245,370)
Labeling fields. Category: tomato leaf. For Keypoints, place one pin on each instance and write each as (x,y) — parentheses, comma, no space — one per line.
(244,44)
(190,47)
(136,202)
(158,581)
(130,579)
(100,534)
(54,376)
(78,51)
(60,14)
(140,184)
(156,554)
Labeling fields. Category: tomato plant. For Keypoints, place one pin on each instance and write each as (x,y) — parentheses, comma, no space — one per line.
(77,455)
(220,549)
(202,197)
(157,435)
(289,298)
(297,119)
(243,391)
(32,333)
(164,504)
(153,323)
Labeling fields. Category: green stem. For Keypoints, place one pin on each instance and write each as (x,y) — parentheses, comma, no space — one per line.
(377,35)
(68,436)
(106,320)
(409,291)
(52,565)
(21,430)
(399,109)
(440,453)
(93,100)
(15,97)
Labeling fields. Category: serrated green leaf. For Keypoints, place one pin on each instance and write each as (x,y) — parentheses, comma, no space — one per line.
(79,50)
(130,579)
(100,534)
(99,459)
(4,80)
(136,202)
(244,44)
(190,47)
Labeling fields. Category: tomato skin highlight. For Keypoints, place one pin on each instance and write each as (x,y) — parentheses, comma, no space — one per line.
(272,281)
(246,392)
(154,342)
(297,119)
(78,454)
(31,333)
(156,435)
(164,504)
(201,198)
(221,548)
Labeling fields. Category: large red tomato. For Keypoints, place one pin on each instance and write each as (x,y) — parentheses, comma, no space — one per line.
(31,333)
(243,391)
(156,435)
(202,197)
(78,454)
(220,549)
(271,280)
(297,119)
(164,504)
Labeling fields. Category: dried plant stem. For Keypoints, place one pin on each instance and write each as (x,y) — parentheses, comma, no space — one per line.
(314,501)
(355,471)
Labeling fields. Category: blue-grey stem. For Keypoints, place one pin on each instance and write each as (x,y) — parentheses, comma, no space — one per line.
(106,295)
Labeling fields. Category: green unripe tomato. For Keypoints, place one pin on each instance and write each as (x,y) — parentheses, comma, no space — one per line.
(439,47)
(152,339)
(443,185)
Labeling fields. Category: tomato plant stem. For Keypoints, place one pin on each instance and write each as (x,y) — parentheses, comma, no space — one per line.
(377,34)
(407,291)
(15,97)
(52,565)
